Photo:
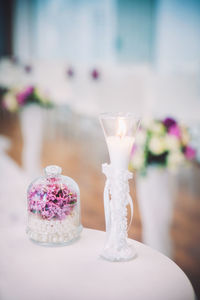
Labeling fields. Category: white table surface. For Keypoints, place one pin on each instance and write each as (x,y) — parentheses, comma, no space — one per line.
(29,271)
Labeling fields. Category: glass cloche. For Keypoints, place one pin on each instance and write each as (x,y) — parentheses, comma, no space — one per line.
(53,208)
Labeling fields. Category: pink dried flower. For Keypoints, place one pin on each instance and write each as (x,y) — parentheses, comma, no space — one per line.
(54,201)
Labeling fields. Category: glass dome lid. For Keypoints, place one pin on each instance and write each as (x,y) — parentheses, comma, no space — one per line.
(53,208)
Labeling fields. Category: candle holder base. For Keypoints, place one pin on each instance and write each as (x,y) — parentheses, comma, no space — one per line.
(116,255)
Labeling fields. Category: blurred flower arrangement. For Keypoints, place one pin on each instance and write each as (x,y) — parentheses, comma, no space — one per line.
(14,99)
(163,144)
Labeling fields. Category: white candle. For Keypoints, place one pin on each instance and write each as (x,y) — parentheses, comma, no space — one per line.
(119,146)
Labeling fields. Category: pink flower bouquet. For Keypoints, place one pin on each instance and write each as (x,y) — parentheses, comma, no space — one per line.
(161,143)
(14,99)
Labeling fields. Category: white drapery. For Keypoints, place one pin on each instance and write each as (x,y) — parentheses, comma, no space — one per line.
(65,29)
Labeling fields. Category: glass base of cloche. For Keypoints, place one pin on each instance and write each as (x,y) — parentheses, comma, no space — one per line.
(59,244)
(53,232)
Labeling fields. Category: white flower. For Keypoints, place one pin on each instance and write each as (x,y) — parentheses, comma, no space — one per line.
(138,159)
(185,136)
(172,143)
(175,159)
(41,95)
(146,122)
(157,128)
(157,145)
(10,102)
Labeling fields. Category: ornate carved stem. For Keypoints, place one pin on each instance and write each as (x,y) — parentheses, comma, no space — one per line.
(116,199)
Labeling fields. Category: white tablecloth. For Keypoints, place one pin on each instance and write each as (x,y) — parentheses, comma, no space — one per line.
(29,271)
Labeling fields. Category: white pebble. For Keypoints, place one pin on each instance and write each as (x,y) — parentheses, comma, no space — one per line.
(53,231)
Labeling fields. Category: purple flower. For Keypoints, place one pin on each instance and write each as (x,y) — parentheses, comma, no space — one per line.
(95,74)
(29,90)
(190,153)
(70,72)
(175,130)
(22,96)
(169,122)
(28,69)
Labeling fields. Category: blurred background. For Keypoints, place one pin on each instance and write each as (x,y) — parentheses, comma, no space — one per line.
(84,57)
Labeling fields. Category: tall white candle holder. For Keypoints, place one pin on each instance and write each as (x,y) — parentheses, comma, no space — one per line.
(119,130)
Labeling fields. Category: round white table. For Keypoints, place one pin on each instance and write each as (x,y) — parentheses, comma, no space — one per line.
(73,272)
